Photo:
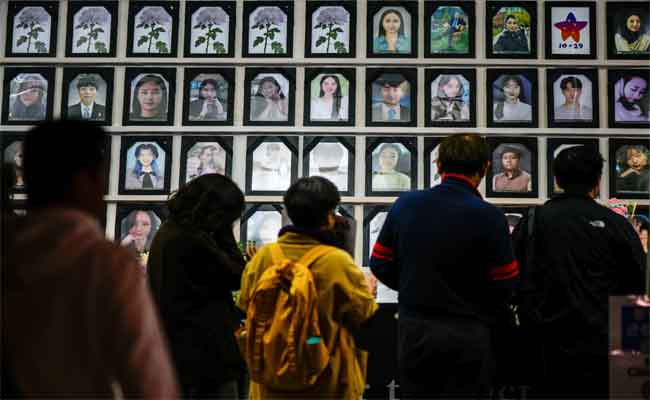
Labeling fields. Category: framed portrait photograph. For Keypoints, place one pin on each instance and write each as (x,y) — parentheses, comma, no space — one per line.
(514,215)
(27,95)
(88,94)
(572,98)
(391,165)
(449,29)
(432,177)
(13,146)
(92,28)
(268,29)
(136,226)
(108,145)
(553,147)
(629,168)
(271,164)
(270,96)
(392,29)
(450,97)
(153,29)
(149,96)
(570,30)
(513,172)
(145,164)
(331,157)
(261,223)
(210,29)
(628,30)
(374,217)
(629,98)
(512,98)
(201,155)
(391,97)
(209,96)
(31,28)
(511,29)
(331,31)
(329,97)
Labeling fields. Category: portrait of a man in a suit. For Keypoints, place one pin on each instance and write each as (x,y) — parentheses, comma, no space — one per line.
(87,108)
(392,88)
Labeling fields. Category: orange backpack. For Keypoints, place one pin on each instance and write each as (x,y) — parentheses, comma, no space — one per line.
(281,340)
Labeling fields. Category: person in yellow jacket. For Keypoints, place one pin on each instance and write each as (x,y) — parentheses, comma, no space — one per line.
(344,298)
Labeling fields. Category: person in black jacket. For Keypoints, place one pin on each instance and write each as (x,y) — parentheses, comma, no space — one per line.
(512,39)
(194,265)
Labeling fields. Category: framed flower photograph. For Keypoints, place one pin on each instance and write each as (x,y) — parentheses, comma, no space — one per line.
(331,31)
(27,95)
(449,29)
(209,96)
(88,94)
(13,155)
(149,96)
(629,98)
(329,97)
(331,157)
(628,30)
(92,28)
(629,168)
(570,30)
(450,97)
(31,28)
(268,29)
(553,147)
(391,97)
(202,155)
(210,29)
(136,225)
(572,98)
(512,98)
(432,177)
(392,29)
(153,29)
(145,164)
(261,223)
(511,29)
(271,164)
(391,165)
(513,172)
(270,96)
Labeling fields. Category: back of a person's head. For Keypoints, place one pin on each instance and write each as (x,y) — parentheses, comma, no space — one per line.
(55,153)
(463,153)
(309,200)
(578,169)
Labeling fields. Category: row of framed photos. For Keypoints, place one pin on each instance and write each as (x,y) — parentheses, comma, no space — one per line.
(391,96)
(391,163)
(268,29)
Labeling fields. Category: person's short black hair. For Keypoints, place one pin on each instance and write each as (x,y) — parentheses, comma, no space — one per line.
(146,146)
(463,153)
(309,200)
(87,81)
(510,149)
(55,152)
(578,169)
(573,80)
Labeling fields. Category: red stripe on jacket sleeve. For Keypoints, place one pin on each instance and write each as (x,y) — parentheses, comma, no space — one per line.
(503,272)
(379,248)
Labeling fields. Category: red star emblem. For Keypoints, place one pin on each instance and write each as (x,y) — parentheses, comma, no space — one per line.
(570,27)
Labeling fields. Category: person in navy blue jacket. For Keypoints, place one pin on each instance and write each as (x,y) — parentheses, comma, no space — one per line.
(448,253)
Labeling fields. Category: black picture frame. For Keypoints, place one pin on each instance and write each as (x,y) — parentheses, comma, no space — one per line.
(612,8)
(514,215)
(13,9)
(108,146)
(162,142)
(491,9)
(530,144)
(74,7)
(230,9)
(410,75)
(550,28)
(531,75)
(252,143)
(188,142)
(123,210)
(373,143)
(430,143)
(369,213)
(616,145)
(287,9)
(554,144)
(168,75)
(469,8)
(250,210)
(347,5)
(430,76)
(616,78)
(287,73)
(11,73)
(312,73)
(10,148)
(310,142)
(172,9)
(552,75)
(107,74)
(229,76)
(373,7)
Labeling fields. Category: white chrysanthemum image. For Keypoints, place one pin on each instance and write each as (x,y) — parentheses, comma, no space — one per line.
(154,16)
(332,15)
(33,15)
(269,15)
(93,16)
(211,16)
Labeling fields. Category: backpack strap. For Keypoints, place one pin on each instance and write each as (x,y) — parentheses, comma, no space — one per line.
(314,253)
